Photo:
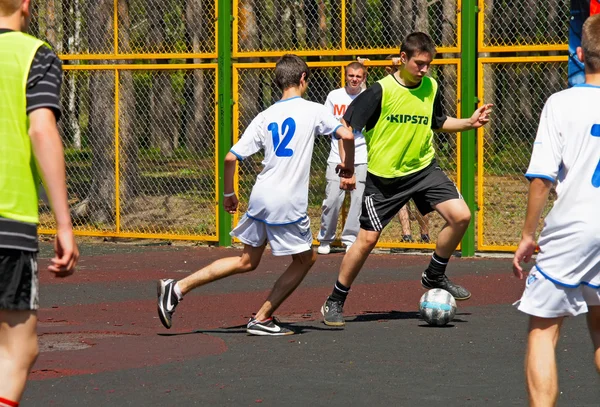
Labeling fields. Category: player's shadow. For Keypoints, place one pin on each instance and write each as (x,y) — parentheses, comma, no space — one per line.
(370,316)
(241,329)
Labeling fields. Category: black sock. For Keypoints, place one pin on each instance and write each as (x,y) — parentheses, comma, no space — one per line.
(340,292)
(437,267)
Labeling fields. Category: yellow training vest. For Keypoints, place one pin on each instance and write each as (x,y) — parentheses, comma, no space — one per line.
(401,142)
(18,171)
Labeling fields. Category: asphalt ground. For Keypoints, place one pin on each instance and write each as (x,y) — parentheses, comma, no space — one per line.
(102,343)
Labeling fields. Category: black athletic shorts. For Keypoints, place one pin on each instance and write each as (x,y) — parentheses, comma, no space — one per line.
(18,280)
(384,197)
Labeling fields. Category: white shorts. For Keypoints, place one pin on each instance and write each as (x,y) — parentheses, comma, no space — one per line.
(284,239)
(546,299)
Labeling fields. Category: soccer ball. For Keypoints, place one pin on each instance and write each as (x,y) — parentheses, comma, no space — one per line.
(437,307)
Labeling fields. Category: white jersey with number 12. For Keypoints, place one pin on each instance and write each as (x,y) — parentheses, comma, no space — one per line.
(286,132)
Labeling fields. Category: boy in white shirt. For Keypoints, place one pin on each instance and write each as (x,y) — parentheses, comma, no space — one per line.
(566,277)
(277,209)
(337,102)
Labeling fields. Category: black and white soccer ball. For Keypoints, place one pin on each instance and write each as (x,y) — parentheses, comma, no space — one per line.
(437,307)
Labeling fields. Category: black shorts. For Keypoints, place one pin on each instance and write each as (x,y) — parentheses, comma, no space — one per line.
(384,197)
(18,280)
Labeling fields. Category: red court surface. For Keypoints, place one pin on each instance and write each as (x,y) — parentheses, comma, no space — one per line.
(102,343)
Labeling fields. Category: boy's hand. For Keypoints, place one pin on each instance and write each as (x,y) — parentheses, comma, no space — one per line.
(481,116)
(524,253)
(66,253)
(344,172)
(348,184)
(231,204)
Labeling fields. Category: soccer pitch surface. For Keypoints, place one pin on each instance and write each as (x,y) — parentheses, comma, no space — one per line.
(102,343)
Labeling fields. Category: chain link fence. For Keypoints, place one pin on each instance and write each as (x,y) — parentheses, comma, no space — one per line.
(510,25)
(113,29)
(141,152)
(254,85)
(262,28)
(518,87)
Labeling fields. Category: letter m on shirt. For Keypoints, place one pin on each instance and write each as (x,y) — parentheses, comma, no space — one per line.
(339,110)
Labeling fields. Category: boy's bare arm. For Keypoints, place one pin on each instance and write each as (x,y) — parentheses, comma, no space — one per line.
(49,154)
(230,202)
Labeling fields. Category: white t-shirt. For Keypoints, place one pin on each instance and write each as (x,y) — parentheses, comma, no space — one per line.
(567,150)
(286,132)
(337,102)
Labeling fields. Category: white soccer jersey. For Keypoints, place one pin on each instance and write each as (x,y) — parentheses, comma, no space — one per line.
(567,150)
(337,102)
(286,132)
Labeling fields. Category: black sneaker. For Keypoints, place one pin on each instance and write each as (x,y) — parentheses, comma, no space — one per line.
(167,301)
(333,312)
(425,238)
(268,327)
(458,292)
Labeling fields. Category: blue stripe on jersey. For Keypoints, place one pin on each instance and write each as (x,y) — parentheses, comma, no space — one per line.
(335,130)
(596,130)
(276,224)
(565,284)
(532,176)
(239,157)
(285,100)
(586,85)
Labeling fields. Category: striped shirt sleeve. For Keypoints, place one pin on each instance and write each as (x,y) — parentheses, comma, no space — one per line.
(44,82)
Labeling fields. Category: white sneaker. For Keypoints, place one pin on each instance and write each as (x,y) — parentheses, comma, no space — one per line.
(348,246)
(324,249)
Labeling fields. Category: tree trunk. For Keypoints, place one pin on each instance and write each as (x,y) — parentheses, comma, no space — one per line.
(199,134)
(164,127)
(248,93)
(99,204)
(72,28)
(394,13)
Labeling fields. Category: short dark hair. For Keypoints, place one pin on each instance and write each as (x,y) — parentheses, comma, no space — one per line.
(288,71)
(356,65)
(590,43)
(417,42)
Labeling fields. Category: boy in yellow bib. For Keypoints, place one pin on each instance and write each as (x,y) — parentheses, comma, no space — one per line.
(30,81)
(399,115)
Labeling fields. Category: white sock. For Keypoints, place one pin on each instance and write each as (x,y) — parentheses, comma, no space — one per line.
(178,292)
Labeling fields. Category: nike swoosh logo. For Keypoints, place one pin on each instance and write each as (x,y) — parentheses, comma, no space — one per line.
(268,328)
(170,305)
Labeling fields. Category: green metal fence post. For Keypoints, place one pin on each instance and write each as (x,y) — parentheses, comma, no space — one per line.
(469,102)
(225,114)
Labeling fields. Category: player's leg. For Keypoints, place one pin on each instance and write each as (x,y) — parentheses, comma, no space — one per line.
(547,303)
(294,240)
(404,218)
(457,215)
(351,265)
(381,203)
(438,192)
(18,320)
(540,361)
(330,210)
(263,322)
(171,292)
(18,351)
(593,320)
(352,224)
(250,232)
